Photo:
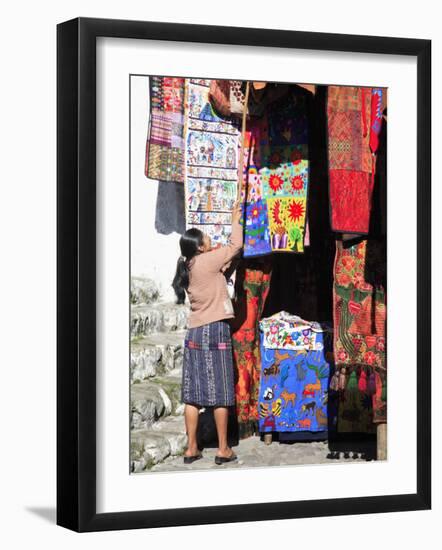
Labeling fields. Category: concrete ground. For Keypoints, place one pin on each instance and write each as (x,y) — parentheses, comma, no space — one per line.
(252,452)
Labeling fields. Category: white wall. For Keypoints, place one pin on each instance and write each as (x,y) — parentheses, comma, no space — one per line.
(27,289)
(152,255)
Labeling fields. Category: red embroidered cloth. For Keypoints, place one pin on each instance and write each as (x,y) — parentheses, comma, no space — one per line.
(354,120)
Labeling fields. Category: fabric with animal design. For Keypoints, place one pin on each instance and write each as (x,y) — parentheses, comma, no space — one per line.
(294,387)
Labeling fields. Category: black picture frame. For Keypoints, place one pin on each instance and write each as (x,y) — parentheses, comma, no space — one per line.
(76,273)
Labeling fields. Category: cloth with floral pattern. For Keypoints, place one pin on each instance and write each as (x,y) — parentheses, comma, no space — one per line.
(286,331)
(276,176)
(252,287)
(359,340)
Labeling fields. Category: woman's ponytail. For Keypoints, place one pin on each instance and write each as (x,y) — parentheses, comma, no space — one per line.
(190,244)
(181,280)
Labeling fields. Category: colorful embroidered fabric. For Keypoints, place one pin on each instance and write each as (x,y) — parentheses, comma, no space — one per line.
(211,165)
(359,341)
(165,143)
(256,232)
(253,284)
(286,331)
(276,177)
(354,122)
(293,388)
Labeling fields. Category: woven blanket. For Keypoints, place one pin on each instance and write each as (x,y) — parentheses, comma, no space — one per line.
(211,165)
(165,143)
(354,122)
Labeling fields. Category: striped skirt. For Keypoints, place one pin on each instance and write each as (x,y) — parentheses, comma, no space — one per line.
(208,374)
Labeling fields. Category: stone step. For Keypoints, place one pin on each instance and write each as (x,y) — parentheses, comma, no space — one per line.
(158,317)
(143,291)
(156,354)
(154,399)
(170,424)
(150,447)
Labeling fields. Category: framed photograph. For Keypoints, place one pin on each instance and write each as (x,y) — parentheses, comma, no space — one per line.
(241,247)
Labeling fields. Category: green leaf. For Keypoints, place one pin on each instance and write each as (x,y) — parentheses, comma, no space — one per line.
(343,292)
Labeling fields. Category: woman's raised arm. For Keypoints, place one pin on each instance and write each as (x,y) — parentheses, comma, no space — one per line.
(216,259)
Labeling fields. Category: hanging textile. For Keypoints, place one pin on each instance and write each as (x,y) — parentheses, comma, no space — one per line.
(285,331)
(253,283)
(211,169)
(165,143)
(227,97)
(307,279)
(169,209)
(256,232)
(354,122)
(359,340)
(277,175)
(294,376)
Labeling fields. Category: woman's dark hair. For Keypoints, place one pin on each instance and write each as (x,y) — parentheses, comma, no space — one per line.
(190,242)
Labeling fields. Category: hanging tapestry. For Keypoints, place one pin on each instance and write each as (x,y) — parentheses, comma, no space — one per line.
(276,176)
(359,341)
(212,144)
(294,383)
(354,122)
(252,287)
(165,142)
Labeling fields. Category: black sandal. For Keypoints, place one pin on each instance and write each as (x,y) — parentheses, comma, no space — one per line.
(223,459)
(190,459)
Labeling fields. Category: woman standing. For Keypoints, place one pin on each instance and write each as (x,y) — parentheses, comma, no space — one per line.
(208,375)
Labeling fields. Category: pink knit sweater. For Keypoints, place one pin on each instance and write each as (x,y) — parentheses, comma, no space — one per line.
(207,292)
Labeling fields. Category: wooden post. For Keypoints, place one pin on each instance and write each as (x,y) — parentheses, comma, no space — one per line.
(382,442)
(243,137)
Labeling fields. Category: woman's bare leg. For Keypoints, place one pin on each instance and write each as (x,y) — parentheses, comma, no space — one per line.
(221,415)
(191,420)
